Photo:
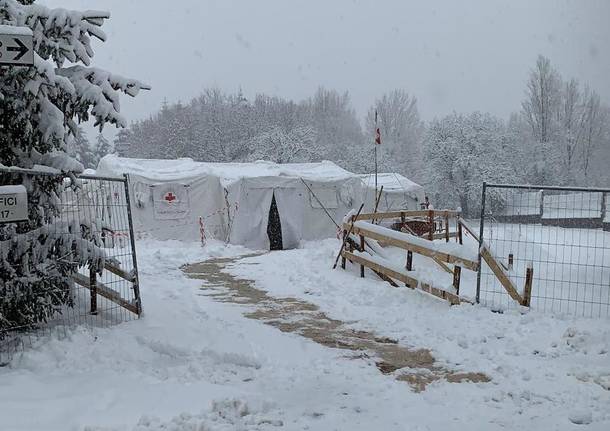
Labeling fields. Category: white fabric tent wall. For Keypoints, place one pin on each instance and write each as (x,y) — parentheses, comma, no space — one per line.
(197,193)
(302,218)
(250,188)
(253,200)
(200,197)
(398,192)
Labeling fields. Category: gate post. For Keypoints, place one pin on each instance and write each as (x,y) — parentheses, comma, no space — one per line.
(93,290)
(136,281)
(481,226)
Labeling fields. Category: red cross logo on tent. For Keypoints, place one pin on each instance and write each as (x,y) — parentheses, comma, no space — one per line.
(169,197)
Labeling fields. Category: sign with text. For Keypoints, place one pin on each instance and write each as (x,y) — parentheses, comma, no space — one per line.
(170,201)
(16,46)
(13,204)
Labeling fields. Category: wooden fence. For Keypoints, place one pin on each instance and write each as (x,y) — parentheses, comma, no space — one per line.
(364,240)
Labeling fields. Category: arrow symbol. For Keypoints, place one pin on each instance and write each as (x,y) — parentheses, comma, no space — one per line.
(21,49)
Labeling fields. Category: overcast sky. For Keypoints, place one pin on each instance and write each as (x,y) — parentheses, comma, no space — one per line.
(454,55)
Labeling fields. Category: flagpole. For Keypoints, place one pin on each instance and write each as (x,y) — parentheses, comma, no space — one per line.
(375,169)
(375,143)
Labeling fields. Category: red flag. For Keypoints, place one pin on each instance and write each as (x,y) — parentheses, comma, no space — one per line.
(377,136)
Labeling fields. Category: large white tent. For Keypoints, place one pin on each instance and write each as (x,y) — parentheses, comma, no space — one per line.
(398,192)
(169,196)
(238,202)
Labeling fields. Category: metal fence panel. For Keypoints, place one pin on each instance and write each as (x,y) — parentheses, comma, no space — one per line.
(561,233)
(100,206)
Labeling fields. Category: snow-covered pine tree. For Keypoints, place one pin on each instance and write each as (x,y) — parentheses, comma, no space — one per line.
(102,148)
(40,108)
(82,148)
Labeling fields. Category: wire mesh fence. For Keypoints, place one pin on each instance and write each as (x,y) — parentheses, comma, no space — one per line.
(562,234)
(72,263)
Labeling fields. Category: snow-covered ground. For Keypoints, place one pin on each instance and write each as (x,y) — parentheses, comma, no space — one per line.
(571,267)
(195,364)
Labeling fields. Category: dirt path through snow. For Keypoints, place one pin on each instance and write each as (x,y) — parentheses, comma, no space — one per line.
(417,367)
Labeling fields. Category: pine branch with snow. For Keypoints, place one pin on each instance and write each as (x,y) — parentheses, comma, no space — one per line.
(40,108)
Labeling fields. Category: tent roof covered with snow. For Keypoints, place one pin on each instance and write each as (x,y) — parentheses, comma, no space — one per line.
(152,169)
(393,182)
(174,169)
(325,171)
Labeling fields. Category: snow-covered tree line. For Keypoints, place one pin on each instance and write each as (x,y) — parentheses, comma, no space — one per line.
(560,135)
(224,127)
(40,109)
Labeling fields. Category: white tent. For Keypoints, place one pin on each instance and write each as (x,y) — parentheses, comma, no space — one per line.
(398,192)
(251,189)
(240,201)
(169,196)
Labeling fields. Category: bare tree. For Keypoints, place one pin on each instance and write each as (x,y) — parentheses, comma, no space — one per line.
(570,120)
(594,121)
(542,99)
(401,128)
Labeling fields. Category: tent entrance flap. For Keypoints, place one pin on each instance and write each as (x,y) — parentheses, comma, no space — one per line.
(274,227)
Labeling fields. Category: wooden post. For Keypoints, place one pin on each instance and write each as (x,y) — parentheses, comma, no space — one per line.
(446,227)
(431,222)
(377,200)
(362,248)
(354,218)
(457,275)
(527,291)
(409,265)
(500,274)
(344,247)
(459,233)
(93,290)
(510,261)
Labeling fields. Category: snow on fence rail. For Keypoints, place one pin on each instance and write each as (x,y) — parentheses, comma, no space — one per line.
(93,281)
(362,246)
(567,247)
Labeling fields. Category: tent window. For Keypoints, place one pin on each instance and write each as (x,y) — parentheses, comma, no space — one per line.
(327,196)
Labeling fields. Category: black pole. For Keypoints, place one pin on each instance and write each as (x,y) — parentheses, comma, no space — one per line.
(481,226)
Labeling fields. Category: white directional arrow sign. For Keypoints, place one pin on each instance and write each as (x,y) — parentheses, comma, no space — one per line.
(16,46)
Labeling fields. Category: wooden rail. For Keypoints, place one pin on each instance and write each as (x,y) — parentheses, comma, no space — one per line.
(104,291)
(442,255)
(498,270)
(416,247)
(404,214)
(410,243)
(408,280)
(108,266)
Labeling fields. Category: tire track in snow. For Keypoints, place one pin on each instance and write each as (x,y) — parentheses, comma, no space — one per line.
(417,367)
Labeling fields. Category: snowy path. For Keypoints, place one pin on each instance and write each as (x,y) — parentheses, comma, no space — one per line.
(194,362)
(417,367)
